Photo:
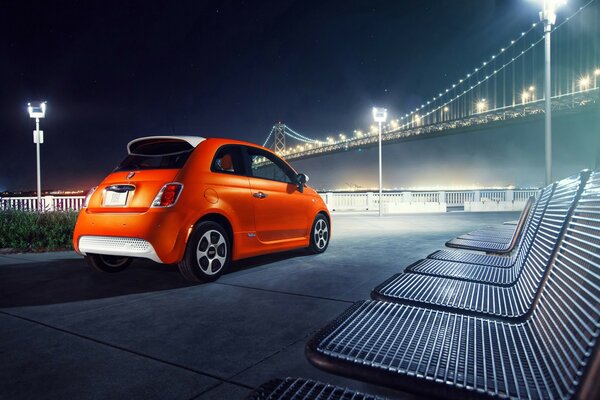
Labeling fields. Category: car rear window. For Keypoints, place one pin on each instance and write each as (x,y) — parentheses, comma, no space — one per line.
(153,154)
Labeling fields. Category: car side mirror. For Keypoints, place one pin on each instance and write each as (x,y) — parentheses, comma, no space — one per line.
(301,180)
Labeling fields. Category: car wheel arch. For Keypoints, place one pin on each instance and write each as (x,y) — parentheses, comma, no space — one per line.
(219,219)
(326,215)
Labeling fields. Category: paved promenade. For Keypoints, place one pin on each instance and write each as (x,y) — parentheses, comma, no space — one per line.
(146,333)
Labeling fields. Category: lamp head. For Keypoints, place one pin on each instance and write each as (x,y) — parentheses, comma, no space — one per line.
(379,114)
(37,111)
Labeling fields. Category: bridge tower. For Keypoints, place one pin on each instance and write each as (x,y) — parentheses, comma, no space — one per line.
(279,133)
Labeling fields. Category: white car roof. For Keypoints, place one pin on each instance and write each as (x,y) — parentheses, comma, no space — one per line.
(192,140)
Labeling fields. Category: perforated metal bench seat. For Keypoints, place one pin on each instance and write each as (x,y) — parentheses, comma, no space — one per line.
(473,258)
(484,238)
(503,274)
(491,232)
(500,261)
(504,293)
(549,353)
(493,242)
(305,389)
(471,272)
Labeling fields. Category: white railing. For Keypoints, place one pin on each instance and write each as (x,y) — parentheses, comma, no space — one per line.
(336,201)
(48,203)
(511,199)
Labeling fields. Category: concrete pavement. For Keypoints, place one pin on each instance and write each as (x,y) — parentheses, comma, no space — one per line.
(68,332)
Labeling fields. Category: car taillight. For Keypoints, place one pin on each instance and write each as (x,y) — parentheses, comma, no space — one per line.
(88,196)
(168,195)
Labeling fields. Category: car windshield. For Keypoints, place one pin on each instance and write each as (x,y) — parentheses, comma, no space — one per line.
(152,154)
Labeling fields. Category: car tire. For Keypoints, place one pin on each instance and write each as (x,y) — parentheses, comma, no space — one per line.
(208,253)
(319,234)
(104,263)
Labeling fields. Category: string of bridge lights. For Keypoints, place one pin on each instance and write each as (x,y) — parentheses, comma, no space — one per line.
(268,137)
(485,63)
(291,133)
(298,136)
(295,135)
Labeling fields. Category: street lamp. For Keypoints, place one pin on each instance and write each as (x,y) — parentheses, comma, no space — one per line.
(584,82)
(38,112)
(380,116)
(548,17)
(481,106)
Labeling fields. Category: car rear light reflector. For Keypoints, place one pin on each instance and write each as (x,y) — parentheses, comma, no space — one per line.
(168,195)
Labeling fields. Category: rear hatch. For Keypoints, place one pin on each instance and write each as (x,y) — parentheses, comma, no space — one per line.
(135,182)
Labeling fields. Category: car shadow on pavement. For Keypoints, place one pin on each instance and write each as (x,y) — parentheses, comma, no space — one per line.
(73,280)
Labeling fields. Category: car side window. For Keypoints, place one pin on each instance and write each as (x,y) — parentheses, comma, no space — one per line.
(266,166)
(227,160)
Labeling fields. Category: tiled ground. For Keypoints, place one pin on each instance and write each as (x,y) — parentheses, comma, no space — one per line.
(67,332)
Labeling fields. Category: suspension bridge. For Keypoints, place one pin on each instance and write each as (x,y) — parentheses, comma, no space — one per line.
(506,87)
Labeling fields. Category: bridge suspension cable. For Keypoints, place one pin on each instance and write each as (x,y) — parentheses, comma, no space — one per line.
(505,86)
(278,131)
(451,96)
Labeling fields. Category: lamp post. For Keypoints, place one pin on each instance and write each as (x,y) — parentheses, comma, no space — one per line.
(548,17)
(380,116)
(38,112)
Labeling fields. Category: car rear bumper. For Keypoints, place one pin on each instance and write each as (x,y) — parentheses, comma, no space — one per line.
(158,234)
(117,246)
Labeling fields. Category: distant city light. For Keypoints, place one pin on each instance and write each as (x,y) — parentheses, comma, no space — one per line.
(525,96)
(446,109)
(532,88)
(597,72)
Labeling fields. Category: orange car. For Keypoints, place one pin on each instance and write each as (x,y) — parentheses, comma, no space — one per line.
(200,203)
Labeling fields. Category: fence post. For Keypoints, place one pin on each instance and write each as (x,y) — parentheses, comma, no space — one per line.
(329,200)
(442,198)
(370,201)
(510,195)
(407,197)
(476,196)
(48,203)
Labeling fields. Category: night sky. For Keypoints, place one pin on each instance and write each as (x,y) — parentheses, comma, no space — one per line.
(113,71)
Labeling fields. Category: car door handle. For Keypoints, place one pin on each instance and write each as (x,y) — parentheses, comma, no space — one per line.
(259,195)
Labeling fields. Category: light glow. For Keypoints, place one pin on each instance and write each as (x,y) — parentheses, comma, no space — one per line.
(379,114)
(584,82)
(481,105)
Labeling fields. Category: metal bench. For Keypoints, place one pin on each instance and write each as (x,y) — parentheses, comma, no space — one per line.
(305,389)
(499,275)
(493,243)
(500,231)
(531,225)
(511,298)
(551,352)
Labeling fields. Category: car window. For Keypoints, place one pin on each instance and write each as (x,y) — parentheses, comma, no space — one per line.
(267,166)
(227,160)
(156,154)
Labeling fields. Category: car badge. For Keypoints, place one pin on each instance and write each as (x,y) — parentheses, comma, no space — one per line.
(130,175)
